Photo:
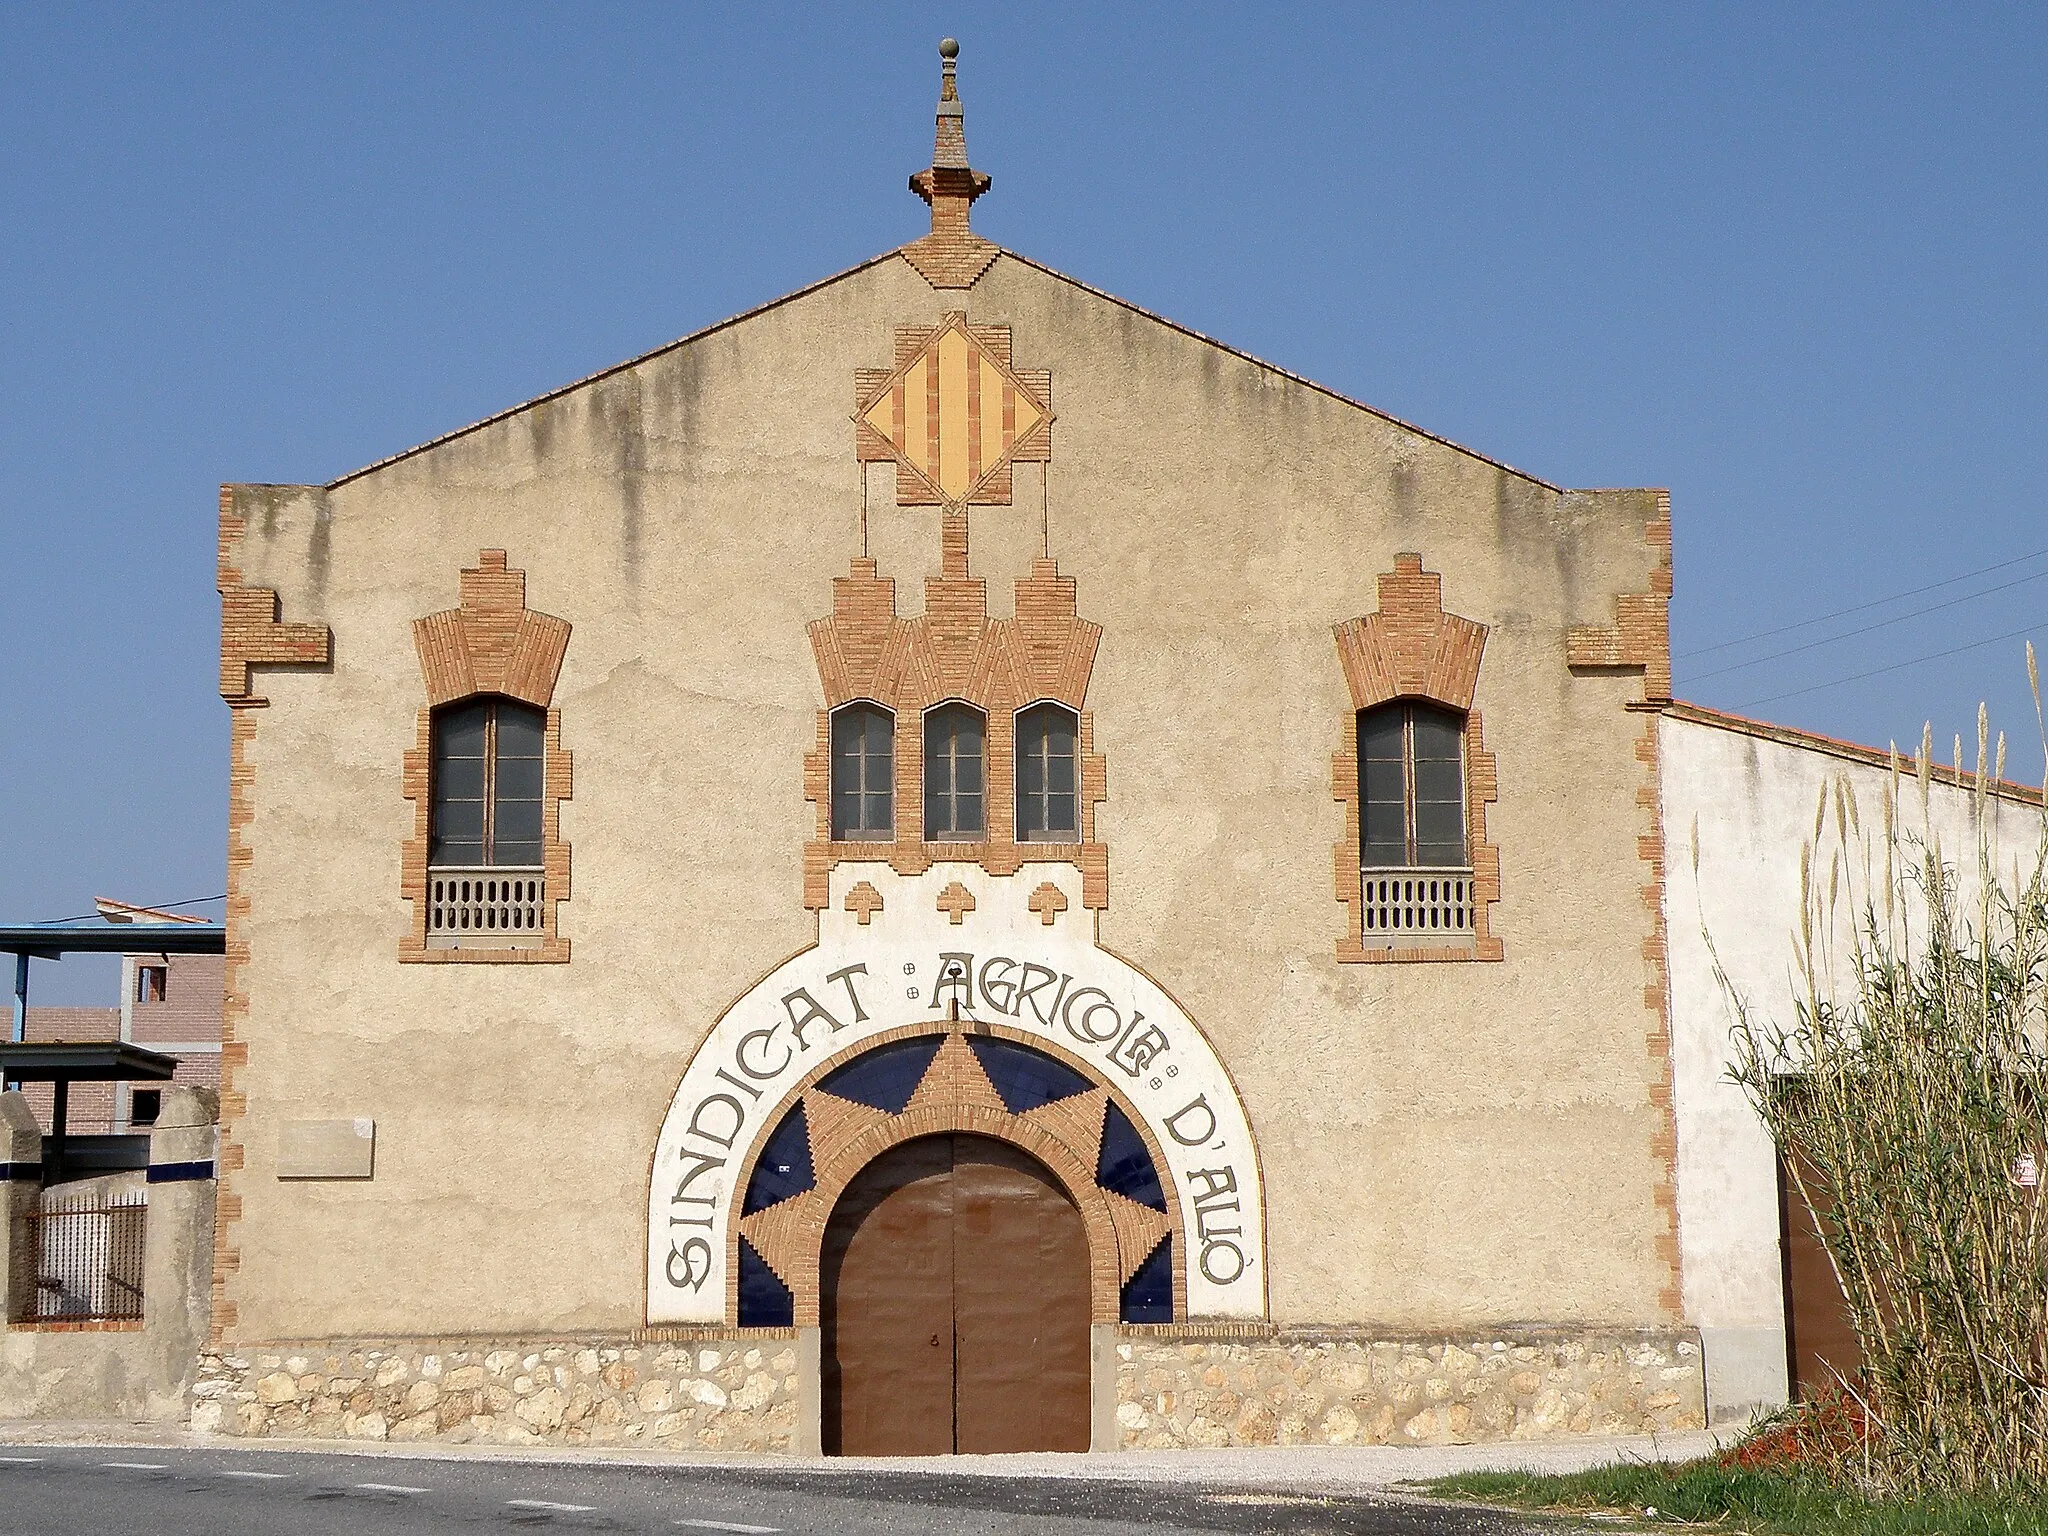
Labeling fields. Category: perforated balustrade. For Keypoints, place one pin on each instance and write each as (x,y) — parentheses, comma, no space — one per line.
(485,905)
(1417,908)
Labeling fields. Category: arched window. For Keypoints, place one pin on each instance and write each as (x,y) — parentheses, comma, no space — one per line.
(1411,787)
(954,784)
(1047,801)
(489,770)
(863,774)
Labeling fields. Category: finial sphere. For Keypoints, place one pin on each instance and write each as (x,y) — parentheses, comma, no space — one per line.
(949,48)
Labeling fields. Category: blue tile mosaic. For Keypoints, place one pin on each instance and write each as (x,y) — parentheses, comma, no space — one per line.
(1148,1294)
(1023,1077)
(1125,1166)
(785,1165)
(885,1077)
(765,1302)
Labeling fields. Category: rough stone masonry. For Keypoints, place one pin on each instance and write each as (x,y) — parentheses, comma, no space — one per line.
(1299,1389)
(721,1395)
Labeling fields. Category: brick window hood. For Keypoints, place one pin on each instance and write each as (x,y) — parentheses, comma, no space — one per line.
(1411,649)
(492,644)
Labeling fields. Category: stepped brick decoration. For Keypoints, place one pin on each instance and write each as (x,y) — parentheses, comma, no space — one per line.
(864,901)
(1048,902)
(952,255)
(954,650)
(492,643)
(1410,648)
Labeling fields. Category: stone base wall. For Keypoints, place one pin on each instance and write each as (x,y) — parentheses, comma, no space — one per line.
(703,1394)
(1176,1388)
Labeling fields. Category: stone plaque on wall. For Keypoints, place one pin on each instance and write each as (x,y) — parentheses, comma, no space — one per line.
(327,1149)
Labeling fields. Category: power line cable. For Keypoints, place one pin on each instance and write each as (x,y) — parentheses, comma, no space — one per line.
(1850,634)
(1843,613)
(1897,666)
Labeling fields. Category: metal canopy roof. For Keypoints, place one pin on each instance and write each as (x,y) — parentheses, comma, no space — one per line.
(93,1061)
(52,941)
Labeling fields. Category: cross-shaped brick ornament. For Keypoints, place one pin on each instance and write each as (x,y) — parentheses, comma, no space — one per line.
(1048,901)
(956,901)
(864,901)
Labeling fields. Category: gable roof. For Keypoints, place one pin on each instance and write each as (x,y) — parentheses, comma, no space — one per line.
(1847,751)
(890,255)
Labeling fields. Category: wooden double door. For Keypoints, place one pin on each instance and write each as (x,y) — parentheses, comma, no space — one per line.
(953,1298)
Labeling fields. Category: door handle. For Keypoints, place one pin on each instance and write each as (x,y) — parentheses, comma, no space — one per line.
(935,1341)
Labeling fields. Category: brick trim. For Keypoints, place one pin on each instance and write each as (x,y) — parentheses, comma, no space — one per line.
(956,1095)
(234,1020)
(491,643)
(1409,648)
(951,258)
(251,633)
(953,650)
(1657,1038)
(1640,640)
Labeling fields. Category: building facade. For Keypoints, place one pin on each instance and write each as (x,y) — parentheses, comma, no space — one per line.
(949,864)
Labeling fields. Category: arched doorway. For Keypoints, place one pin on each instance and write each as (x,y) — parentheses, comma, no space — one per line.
(954,1304)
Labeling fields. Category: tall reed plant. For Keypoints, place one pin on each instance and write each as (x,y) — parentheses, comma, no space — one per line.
(1907,1098)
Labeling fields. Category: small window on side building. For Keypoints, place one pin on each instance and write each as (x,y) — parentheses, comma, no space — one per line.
(151,983)
(145,1105)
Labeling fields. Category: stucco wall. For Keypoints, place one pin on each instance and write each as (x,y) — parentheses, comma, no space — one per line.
(1746,803)
(138,1368)
(1442,1144)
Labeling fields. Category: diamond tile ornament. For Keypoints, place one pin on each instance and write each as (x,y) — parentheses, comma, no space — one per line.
(953,415)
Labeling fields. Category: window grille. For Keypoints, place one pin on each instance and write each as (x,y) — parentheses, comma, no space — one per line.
(954,791)
(863,774)
(1047,801)
(88,1262)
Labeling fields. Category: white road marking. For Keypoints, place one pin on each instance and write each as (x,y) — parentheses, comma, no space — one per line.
(727,1525)
(135,1466)
(21,1461)
(264,1475)
(566,1509)
(391,1488)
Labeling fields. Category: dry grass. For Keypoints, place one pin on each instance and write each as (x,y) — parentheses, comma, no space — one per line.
(1907,1096)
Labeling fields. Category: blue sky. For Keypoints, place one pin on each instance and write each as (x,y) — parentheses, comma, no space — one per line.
(1787,261)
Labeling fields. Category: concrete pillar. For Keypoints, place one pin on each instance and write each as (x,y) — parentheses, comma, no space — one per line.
(809,1438)
(1104,1434)
(177,1270)
(21,1160)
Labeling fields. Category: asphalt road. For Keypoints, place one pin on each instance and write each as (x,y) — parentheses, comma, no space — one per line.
(90,1490)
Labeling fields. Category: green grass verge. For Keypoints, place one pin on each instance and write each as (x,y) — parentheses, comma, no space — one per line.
(1703,1493)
